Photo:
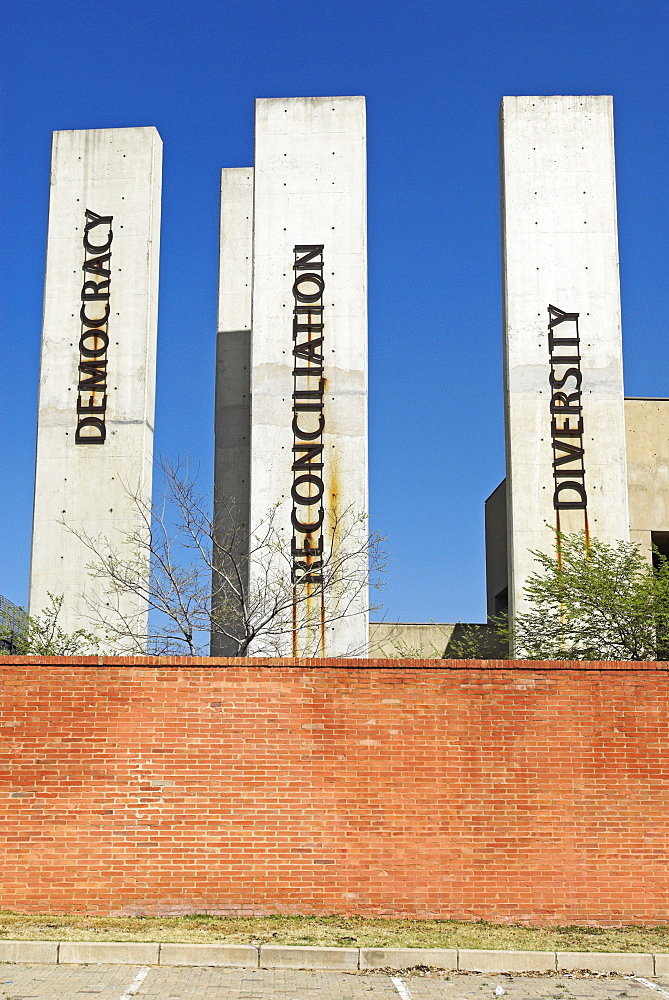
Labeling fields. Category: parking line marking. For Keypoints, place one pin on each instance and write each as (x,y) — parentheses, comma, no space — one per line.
(651,986)
(135,984)
(402,990)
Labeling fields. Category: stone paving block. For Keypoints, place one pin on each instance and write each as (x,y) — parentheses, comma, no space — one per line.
(108,953)
(238,956)
(408,958)
(483,960)
(37,952)
(274,956)
(661,965)
(606,961)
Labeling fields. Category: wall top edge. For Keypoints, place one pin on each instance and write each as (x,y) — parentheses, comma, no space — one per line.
(301,100)
(535,106)
(337,663)
(557,97)
(102,131)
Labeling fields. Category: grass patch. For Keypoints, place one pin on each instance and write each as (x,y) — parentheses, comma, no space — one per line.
(353,932)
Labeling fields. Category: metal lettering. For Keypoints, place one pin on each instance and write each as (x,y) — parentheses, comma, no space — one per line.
(309,279)
(92,290)
(566,415)
(308,262)
(572,453)
(313,309)
(94,339)
(92,406)
(308,351)
(96,375)
(308,435)
(557,316)
(308,397)
(307,527)
(98,321)
(94,265)
(558,383)
(566,402)
(307,550)
(578,488)
(93,222)
(310,451)
(95,336)
(308,500)
(98,425)
(308,328)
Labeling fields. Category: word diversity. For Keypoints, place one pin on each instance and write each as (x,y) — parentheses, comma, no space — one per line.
(94,339)
(566,411)
(308,416)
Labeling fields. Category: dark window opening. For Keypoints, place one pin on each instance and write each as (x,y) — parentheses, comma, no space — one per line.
(501,600)
(660,541)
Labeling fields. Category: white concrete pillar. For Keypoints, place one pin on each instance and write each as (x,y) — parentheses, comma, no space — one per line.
(97,377)
(560,248)
(310,193)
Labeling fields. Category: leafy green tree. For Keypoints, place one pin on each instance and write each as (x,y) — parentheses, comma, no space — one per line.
(21,633)
(593,601)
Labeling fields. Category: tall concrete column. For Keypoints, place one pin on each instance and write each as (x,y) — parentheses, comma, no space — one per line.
(565,428)
(309,352)
(97,376)
(232,458)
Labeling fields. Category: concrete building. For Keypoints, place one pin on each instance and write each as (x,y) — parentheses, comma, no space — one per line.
(578,454)
(291,401)
(97,376)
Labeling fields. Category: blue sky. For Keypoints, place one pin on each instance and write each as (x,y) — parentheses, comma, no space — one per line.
(433,75)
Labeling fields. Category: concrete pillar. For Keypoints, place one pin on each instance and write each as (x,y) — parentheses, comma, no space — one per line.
(232,459)
(97,376)
(565,428)
(310,219)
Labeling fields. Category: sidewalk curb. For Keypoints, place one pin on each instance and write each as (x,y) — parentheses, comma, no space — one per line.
(336,959)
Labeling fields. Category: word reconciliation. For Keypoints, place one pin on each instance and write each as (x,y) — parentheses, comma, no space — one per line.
(308,487)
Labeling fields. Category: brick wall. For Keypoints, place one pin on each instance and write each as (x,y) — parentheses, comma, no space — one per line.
(508,791)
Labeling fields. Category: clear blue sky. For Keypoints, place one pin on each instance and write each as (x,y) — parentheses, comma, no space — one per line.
(433,75)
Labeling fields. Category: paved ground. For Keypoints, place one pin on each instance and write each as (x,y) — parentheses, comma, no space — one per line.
(125,982)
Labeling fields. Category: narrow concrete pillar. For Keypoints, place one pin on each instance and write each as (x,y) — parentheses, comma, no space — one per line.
(565,428)
(232,458)
(97,377)
(310,288)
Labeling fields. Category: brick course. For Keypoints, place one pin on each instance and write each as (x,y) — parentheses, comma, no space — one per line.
(503,790)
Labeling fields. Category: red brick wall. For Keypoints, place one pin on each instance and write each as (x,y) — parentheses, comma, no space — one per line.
(507,791)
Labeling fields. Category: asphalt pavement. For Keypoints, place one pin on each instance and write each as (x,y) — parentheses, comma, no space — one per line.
(125,982)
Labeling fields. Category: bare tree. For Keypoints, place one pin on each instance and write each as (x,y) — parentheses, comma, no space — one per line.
(213,578)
